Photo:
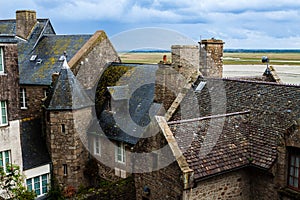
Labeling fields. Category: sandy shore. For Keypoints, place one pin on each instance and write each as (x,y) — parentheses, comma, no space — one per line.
(288,73)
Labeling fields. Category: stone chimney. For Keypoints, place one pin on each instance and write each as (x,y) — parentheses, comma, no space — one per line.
(185,59)
(25,22)
(211,58)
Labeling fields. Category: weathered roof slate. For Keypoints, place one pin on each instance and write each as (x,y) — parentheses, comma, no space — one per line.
(67,93)
(238,144)
(243,140)
(44,43)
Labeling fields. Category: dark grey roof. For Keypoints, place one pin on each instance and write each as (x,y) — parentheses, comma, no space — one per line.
(34,149)
(44,43)
(48,51)
(133,113)
(67,93)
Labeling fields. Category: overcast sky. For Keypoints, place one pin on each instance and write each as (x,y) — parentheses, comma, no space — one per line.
(240,23)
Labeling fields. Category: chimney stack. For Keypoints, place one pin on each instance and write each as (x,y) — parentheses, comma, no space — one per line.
(25,22)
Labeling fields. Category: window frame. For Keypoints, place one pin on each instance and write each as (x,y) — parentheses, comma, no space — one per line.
(42,184)
(292,164)
(97,148)
(1,113)
(120,151)
(23,98)
(4,159)
(2,65)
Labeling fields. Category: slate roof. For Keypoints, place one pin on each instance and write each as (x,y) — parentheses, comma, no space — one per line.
(34,148)
(249,140)
(239,144)
(67,93)
(44,43)
(138,105)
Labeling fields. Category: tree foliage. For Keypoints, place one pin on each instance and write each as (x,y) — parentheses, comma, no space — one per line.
(12,183)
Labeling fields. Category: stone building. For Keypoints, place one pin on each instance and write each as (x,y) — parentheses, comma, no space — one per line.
(232,150)
(10,141)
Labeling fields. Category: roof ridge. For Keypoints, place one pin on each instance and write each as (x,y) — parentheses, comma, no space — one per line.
(258,82)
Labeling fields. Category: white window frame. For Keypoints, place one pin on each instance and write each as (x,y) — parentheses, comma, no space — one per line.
(4,162)
(23,98)
(32,183)
(97,146)
(3,114)
(120,173)
(120,153)
(65,169)
(2,61)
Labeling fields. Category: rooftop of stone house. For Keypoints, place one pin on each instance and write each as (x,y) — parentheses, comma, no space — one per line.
(213,144)
(233,142)
(66,92)
(139,83)
(40,54)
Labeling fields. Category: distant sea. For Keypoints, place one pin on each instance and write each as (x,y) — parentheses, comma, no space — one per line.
(225,51)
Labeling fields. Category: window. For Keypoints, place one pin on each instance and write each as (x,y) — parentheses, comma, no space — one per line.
(3,112)
(1,60)
(65,168)
(5,159)
(294,161)
(46,93)
(120,153)
(120,172)
(39,184)
(23,99)
(63,128)
(97,146)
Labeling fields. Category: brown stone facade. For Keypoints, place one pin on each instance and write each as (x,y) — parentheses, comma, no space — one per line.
(25,21)
(211,58)
(67,145)
(34,100)
(90,61)
(234,185)
(9,80)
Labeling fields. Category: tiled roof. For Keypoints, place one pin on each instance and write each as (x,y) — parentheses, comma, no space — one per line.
(243,140)
(34,148)
(67,93)
(271,104)
(238,144)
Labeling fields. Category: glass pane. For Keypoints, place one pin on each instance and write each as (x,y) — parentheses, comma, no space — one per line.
(291,181)
(3,111)
(292,171)
(7,160)
(296,172)
(293,160)
(37,185)
(29,184)
(1,159)
(296,183)
(1,66)
(44,184)
(297,162)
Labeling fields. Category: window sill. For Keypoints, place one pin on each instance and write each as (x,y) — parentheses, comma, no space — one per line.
(24,108)
(289,192)
(3,125)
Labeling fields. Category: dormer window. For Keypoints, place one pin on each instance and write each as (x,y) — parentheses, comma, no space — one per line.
(61,58)
(1,61)
(39,61)
(33,57)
